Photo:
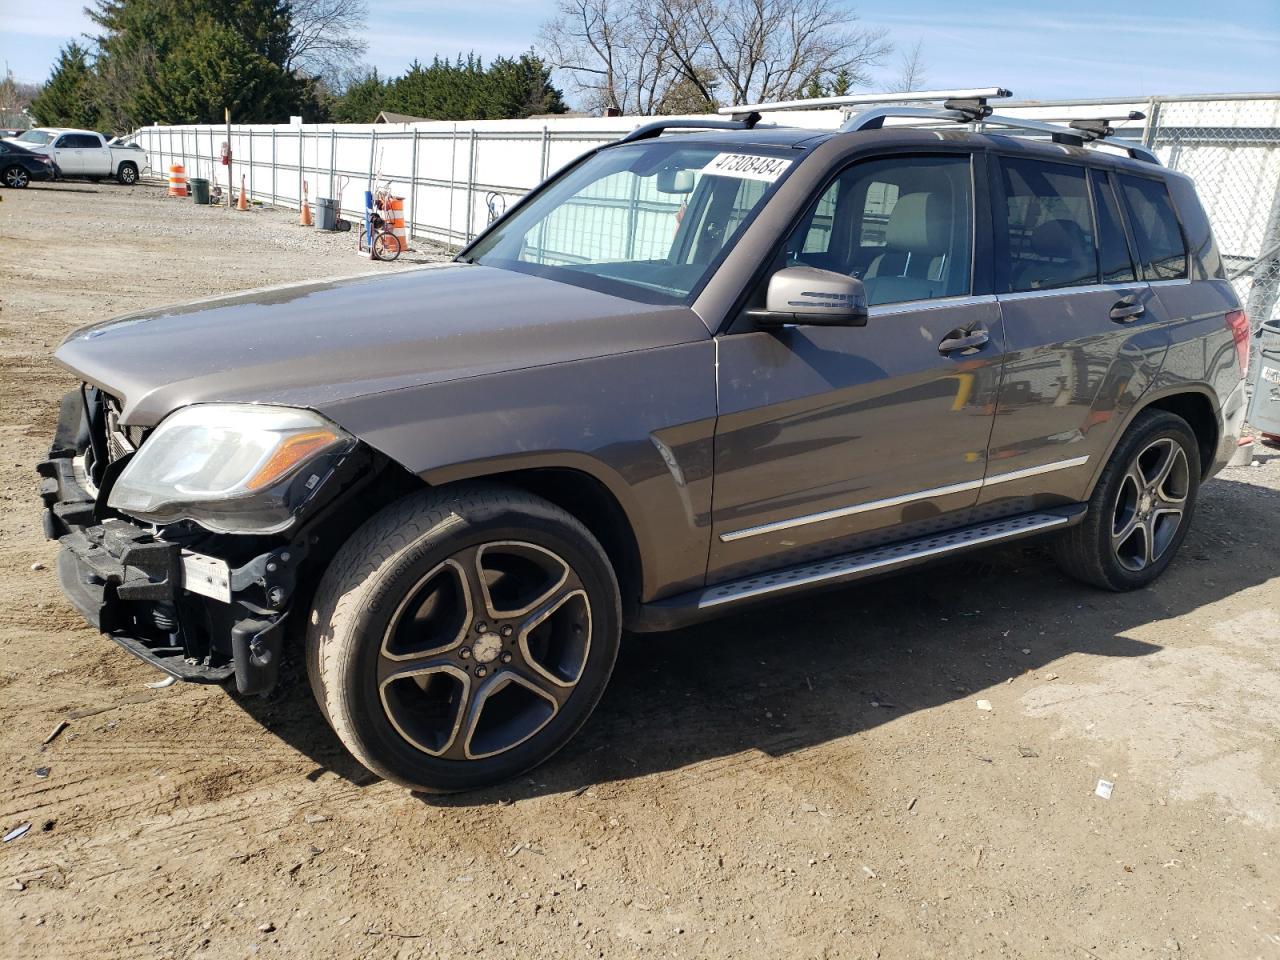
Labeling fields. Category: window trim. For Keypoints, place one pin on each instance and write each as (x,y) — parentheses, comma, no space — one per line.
(1102,179)
(1177,218)
(737,320)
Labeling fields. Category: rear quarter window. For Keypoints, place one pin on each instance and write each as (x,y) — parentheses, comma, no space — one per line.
(1161,248)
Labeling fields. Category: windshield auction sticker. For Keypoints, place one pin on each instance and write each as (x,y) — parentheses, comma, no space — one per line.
(746,166)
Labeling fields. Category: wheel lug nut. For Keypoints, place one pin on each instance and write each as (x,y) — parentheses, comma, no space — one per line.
(481,671)
(481,627)
(465,653)
(506,658)
(506,631)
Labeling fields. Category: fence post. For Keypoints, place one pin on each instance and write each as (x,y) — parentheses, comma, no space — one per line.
(471,181)
(453,181)
(273,166)
(546,148)
(251,194)
(333,161)
(413,184)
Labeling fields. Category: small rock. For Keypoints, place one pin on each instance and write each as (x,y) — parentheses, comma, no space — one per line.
(315,818)
(37,566)
(808,807)
(18,885)
(1050,676)
(42,773)
(984,705)
(267,927)
(1026,651)
(1027,752)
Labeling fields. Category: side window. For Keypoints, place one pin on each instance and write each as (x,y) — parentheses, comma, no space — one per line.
(1050,225)
(65,141)
(904,226)
(1113,248)
(1160,246)
(84,140)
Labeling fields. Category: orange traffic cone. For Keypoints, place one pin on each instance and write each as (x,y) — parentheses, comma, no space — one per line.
(242,203)
(304,216)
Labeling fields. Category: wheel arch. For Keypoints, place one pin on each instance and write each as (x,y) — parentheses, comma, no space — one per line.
(1194,403)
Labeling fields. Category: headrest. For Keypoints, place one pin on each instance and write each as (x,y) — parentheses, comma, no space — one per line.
(1059,239)
(919,223)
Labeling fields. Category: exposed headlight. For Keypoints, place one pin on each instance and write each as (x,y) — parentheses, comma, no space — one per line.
(230,467)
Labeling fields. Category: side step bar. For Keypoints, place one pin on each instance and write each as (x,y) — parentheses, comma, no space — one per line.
(687,608)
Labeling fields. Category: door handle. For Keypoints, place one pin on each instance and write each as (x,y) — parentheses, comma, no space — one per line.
(960,339)
(1127,310)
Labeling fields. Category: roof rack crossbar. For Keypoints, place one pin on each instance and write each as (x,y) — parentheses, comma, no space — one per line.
(859,99)
(1075,135)
(649,130)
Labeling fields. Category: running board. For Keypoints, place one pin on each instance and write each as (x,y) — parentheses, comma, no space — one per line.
(699,605)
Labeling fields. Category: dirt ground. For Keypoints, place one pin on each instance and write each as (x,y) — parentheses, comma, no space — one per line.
(815,780)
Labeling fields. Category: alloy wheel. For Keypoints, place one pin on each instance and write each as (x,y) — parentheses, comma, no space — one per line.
(1150,505)
(484,651)
(16,177)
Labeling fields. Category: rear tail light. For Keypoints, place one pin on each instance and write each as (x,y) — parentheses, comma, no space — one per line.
(1238,324)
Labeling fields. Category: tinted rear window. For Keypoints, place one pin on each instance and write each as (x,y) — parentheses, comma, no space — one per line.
(1113,248)
(1050,225)
(1155,226)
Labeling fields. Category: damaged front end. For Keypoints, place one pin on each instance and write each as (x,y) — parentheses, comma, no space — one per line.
(199,604)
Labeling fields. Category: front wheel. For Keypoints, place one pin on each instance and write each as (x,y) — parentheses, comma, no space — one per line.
(386,245)
(460,638)
(15,177)
(1140,509)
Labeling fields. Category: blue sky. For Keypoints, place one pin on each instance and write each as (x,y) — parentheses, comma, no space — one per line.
(1045,50)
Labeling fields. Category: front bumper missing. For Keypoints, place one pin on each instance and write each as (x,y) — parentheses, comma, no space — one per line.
(129,584)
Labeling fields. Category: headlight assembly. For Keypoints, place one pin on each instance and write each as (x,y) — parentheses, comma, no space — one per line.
(230,467)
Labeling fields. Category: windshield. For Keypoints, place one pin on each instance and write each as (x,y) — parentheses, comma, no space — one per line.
(38,137)
(648,221)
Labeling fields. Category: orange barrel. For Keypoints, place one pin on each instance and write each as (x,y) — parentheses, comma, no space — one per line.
(393,214)
(177,180)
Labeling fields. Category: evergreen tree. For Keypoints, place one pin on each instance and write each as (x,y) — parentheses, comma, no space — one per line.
(362,101)
(67,99)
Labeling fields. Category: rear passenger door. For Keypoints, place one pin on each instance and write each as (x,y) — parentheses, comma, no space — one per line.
(1085,334)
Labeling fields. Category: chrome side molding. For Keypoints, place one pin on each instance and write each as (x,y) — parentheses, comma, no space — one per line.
(898,501)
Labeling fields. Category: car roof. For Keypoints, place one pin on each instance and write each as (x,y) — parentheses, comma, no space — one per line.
(914,137)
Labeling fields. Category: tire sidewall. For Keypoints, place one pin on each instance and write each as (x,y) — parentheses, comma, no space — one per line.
(1159,427)
(380,746)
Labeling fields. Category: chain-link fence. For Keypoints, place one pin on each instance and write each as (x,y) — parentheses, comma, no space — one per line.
(1231,148)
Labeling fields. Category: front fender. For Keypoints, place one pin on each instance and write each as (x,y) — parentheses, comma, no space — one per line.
(641,423)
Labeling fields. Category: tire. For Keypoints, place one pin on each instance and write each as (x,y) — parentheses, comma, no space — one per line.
(16,177)
(386,246)
(461,637)
(1141,508)
(127,174)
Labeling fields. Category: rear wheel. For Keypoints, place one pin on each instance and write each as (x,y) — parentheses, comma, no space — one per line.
(15,177)
(127,174)
(460,638)
(386,245)
(1140,509)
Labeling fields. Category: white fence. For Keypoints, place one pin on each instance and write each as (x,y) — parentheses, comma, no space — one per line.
(456,176)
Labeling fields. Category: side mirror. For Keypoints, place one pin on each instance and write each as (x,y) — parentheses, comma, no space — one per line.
(807,295)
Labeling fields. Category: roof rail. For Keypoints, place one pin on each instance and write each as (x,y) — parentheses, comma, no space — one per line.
(857,99)
(656,128)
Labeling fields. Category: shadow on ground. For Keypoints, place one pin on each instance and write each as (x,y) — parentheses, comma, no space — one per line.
(810,670)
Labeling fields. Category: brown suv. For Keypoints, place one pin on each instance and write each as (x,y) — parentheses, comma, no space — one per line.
(692,371)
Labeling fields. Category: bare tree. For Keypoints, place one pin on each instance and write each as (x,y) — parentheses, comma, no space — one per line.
(632,54)
(327,36)
(613,51)
(911,70)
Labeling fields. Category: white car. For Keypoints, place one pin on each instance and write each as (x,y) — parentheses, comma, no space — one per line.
(85,153)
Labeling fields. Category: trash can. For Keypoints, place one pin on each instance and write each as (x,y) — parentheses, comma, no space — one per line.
(200,190)
(326,214)
(1264,408)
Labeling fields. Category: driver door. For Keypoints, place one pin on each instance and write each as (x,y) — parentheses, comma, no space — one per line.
(67,155)
(831,439)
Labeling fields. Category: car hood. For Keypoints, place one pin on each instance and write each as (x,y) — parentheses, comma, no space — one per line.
(319,343)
